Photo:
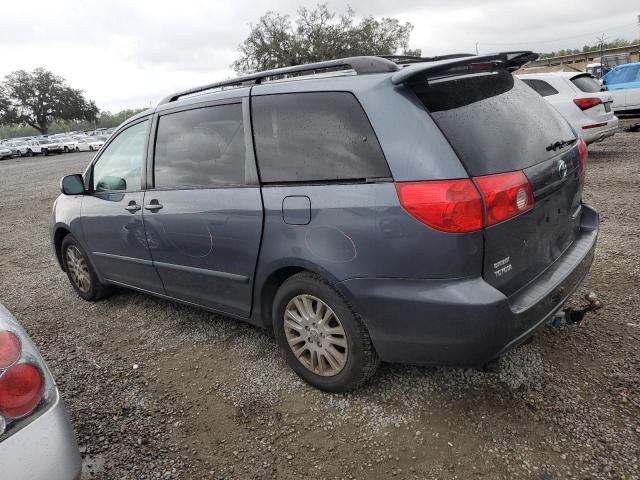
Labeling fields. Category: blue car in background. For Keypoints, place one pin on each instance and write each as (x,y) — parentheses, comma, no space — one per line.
(624,84)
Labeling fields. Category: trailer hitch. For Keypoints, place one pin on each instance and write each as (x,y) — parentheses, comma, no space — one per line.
(576,315)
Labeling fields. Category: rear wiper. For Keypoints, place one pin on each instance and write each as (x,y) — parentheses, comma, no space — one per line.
(561,144)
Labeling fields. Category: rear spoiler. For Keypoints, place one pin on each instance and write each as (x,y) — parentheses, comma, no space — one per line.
(510,61)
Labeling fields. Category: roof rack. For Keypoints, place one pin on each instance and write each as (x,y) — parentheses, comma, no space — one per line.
(413,59)
(361,65)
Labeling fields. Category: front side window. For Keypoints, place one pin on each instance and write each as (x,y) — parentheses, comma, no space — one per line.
(119,168)
(204,147)
(315,136)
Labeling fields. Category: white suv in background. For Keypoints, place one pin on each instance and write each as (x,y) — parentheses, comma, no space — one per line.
(579,98)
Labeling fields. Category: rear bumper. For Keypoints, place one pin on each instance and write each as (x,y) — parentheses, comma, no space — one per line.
(466,322)
(46,449)
(598,134)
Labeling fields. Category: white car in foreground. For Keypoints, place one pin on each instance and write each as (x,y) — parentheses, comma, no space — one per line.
(68,144)
(89,144)
(579,98)
(36,437)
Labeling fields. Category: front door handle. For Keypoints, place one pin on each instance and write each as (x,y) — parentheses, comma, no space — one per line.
(154,206)
(132,207)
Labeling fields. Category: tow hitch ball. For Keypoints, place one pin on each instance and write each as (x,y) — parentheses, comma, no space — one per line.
(576,315)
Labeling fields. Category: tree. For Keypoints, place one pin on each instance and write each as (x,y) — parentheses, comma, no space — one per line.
(39,97)
(319,35)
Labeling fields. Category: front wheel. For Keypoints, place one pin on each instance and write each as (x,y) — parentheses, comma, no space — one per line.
(30,153)
(323,339)
(77,149)
(90,148)
(81,274)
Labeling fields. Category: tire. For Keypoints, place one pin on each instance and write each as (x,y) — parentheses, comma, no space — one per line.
(29,153)
(90,148)
(94,290)
(352,364)
(45,152)
(66,149)
(19,153)
(77,149)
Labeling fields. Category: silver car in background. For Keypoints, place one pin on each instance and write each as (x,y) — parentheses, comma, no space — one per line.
(37,441)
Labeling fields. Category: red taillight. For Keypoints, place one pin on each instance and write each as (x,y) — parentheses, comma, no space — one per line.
(586,103)
(21,389)
(9,348)
(583,153)
(505,195)
(451,206)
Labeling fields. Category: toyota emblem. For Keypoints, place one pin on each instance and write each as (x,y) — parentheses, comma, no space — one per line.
(562,169)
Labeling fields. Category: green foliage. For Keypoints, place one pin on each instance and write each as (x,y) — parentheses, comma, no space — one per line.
(39,97)
(103,120)
(618,42)
(318,35)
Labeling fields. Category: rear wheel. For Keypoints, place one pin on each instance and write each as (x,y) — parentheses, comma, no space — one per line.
(323,339)
(19,153)
(66,149)
(81,274)
(77,149)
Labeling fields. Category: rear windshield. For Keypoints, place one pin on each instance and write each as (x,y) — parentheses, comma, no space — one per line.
(494,122)
(587,83)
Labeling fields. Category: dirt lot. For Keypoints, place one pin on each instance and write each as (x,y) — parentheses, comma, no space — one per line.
(157,390)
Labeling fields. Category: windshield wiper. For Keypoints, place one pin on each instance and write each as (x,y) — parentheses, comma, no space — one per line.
(561,144)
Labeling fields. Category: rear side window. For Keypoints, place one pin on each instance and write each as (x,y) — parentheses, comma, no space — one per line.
(494,122)
(586,83)
(200,148)
(318,136)
(540,86)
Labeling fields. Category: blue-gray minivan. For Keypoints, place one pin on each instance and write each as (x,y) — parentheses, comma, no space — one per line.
(416,210)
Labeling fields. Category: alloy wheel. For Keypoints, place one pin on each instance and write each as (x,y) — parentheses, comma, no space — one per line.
(315,335)
(78,269)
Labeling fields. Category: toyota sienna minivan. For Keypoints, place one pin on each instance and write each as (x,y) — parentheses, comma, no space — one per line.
(422,210)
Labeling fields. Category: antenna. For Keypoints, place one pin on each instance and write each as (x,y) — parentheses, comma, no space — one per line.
(601,39)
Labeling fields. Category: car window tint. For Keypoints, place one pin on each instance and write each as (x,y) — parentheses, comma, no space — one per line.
(201,148)
(540,86)
(317,136)
(119,168)
(587,83)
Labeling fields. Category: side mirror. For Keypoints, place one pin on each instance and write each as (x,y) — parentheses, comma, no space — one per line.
(72,185)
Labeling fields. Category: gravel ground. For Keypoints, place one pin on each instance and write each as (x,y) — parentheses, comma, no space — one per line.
(158,390)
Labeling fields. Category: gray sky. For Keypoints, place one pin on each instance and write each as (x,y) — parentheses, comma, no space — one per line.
(131,53)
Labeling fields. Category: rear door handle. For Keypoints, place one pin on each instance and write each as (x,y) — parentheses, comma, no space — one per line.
(153,206)
(132,207)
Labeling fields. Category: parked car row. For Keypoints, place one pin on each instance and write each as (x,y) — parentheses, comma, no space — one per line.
(61,143)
